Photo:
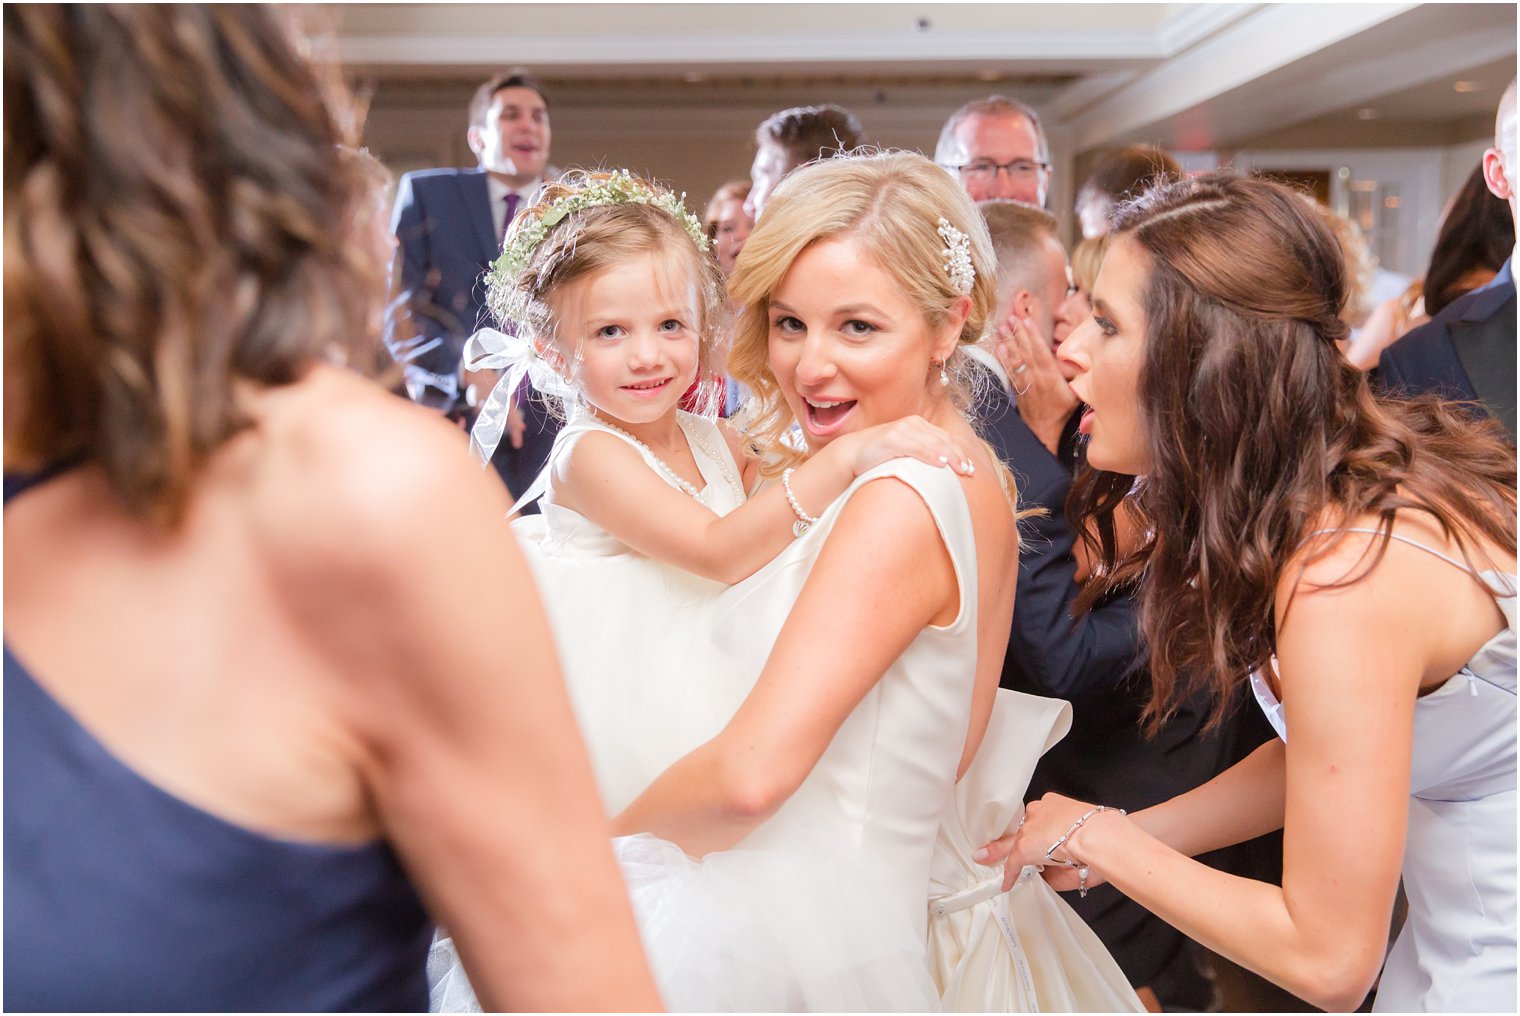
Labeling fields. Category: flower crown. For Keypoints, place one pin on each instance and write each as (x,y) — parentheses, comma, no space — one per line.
(618,188)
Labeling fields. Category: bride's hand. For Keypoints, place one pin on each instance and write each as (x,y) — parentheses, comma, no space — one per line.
(911,437)
(1045,821)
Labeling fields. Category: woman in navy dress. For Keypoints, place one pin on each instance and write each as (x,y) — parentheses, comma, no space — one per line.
(262,714)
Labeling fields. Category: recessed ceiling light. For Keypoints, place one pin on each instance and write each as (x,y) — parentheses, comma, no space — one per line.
(1366,113)
(1467,86)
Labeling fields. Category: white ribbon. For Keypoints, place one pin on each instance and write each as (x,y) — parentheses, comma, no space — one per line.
(990,891)
(515,357)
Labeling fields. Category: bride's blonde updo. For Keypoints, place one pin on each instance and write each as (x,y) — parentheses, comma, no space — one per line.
(892,203)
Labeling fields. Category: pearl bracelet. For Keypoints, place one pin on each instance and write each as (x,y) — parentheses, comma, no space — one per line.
(804,520)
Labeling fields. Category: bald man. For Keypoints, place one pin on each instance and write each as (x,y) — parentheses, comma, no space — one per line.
(1468,350)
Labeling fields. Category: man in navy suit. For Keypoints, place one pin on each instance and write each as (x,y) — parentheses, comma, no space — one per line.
(1030,416)
(1467,351)
(449,225)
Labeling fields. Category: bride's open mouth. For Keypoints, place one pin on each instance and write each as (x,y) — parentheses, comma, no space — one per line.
(822,417)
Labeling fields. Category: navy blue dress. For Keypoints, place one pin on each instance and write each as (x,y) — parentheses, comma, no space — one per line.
(120,896)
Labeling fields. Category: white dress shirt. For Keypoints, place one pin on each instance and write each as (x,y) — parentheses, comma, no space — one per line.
(499,191)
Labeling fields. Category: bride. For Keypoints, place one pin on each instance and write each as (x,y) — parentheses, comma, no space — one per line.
(785,863)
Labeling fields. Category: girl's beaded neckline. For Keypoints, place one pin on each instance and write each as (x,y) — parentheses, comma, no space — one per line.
(668,471)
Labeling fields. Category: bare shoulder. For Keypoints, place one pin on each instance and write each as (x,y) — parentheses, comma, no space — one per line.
(591,462)
(1415,599)
(342,473)
(1332,556)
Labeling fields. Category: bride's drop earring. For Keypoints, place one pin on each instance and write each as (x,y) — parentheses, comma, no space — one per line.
(944,377)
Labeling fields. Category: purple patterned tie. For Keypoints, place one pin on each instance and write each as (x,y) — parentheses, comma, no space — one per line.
(506,220)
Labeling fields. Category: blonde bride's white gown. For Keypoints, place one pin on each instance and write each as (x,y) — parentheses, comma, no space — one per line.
(826,906)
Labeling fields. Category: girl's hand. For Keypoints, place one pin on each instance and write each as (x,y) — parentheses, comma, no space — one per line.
(1045,821)
(911,437)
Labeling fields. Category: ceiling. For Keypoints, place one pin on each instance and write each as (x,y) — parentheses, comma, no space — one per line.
(1186,75)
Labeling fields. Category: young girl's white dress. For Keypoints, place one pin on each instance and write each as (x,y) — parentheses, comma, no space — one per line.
(859,893)
(631,631)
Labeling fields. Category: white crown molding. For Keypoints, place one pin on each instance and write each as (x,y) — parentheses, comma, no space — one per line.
(1084,92)
(586,49)
(1266,40)
(1190,24)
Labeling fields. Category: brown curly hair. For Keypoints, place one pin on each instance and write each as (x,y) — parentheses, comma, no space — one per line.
(1259,431)
(178,220)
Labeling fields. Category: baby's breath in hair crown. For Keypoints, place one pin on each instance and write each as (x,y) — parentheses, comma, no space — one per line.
(618,188)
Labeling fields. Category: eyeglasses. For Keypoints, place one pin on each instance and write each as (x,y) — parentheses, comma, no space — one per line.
(985,170)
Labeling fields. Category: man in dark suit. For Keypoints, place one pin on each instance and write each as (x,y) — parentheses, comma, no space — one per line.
(1467,351)
(1096,661)
(449,224)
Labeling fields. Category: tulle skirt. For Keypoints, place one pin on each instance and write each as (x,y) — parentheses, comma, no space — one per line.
(753,931)
(634,638)
(765,931)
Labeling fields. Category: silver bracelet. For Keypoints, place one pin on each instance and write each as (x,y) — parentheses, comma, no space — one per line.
(1081,866)
(804,520)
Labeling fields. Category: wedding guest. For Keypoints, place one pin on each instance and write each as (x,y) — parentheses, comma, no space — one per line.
(1086,259)
(795,137)
(253,738)
(1467,351)
(1351,561)
(1476,237)
(449,224)
(728,225)
(1118,176)
(996,147)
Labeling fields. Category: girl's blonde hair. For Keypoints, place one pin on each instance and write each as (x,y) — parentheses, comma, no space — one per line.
(892,204)
(592,240)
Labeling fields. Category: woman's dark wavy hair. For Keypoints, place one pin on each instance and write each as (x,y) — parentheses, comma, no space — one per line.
(1258,431)
(1478,232)
(178,220)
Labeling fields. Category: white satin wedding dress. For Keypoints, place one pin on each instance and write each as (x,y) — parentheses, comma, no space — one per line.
(826,906)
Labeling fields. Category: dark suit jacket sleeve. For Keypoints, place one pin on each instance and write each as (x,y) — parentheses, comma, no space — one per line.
(414,336)
(1048,652)
(1423,361)
(1390,376)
